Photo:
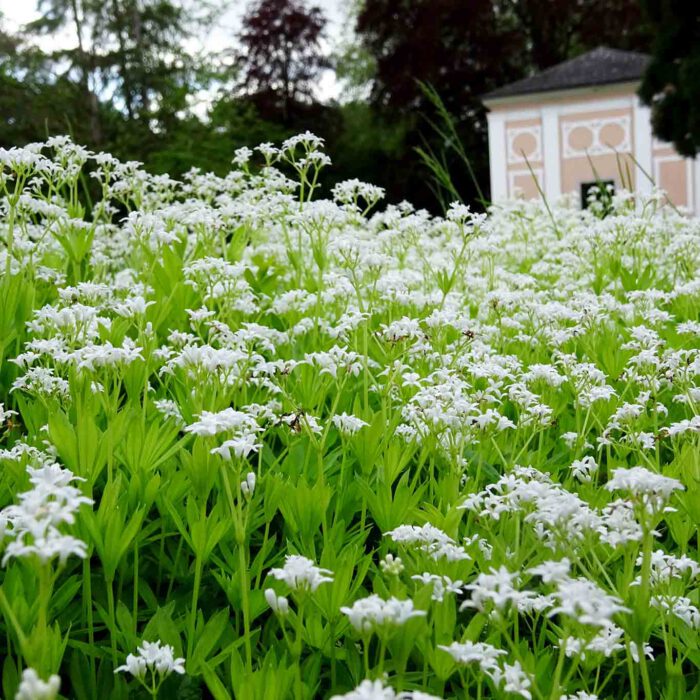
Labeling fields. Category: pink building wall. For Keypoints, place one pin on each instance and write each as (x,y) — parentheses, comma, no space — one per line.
(568,138)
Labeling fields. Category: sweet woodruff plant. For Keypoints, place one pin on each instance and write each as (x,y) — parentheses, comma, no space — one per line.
(262,441)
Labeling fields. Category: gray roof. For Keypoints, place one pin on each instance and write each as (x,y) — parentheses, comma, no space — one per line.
(602,66)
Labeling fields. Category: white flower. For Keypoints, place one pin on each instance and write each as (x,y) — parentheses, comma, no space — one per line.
(377,690)
(240,446)
(228,419)
(5,414)
(348,425)
(348,191)
(552,570)
(515,680)
(607,641)
(684,426)
(248,486)
(279,604)
(154,657)
(33,524)
(583,469)
(32,687)
(665,567)
(441,585)
(569,438)
(485,655)
(430,539)
(681,607)
(497,588)
(301,573)
(653,490)
(368,614)
(169,409)
(242,156)
(368,690)
(586,602)
(391,565)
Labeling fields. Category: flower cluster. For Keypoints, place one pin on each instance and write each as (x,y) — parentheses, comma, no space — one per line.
(301,574)
(33,525)
(374,613)
(152,664)
(485,424)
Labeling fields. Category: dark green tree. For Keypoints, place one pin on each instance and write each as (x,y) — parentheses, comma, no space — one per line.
(556,30)
(35,101)
(671,84)
(462,49)
(76,64)
(465,49)
(130,52)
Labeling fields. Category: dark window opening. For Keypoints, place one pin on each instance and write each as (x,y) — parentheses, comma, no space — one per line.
(598,191)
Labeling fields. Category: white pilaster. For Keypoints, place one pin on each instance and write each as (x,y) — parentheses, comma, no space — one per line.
(497,156)
(552,152)
(695,184)
(643,148)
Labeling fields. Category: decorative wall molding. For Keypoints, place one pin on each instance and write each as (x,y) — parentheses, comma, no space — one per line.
(597,145)
(514,154)
(566,109)
(659,145)
(512,174)
(690,194)
(670,158)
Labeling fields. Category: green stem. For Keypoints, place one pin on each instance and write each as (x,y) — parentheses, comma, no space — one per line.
(87,598)
(44,596)
(136,585)
(243,570)
(9,613)
(382,654)
(299,634)
(557,671)
(645,595)
(112,621)
(193,607)
(10,240)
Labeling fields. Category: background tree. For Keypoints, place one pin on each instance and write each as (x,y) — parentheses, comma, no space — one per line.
(130,50)
(465,49)
(121,75)
(672,81)
(35,99)
(125,78)
(81,58)
(556,30)
(282,56)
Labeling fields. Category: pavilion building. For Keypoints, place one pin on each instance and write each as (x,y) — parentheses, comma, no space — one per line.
(578,123)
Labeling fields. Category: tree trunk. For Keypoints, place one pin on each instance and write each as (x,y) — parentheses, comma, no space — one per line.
(90,96)
(137,30)
(123,64)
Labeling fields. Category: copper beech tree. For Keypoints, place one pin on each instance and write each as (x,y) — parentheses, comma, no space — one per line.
(282,54)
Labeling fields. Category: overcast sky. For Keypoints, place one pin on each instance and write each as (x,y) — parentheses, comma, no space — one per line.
(19,12)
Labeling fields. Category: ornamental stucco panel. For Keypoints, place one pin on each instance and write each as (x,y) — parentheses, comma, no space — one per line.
(596,136)
(524,144)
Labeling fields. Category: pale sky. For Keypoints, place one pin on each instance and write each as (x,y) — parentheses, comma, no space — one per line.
(18,12)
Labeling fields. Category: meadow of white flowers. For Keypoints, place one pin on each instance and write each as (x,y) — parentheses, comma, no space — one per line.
(258,444)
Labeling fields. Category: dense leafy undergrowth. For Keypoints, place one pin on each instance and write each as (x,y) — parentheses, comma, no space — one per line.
(258,444)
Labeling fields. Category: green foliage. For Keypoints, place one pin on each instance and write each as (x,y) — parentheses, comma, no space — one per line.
(233,416)
(671,85)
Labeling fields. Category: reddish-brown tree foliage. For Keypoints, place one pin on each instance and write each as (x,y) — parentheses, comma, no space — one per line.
(282,54)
